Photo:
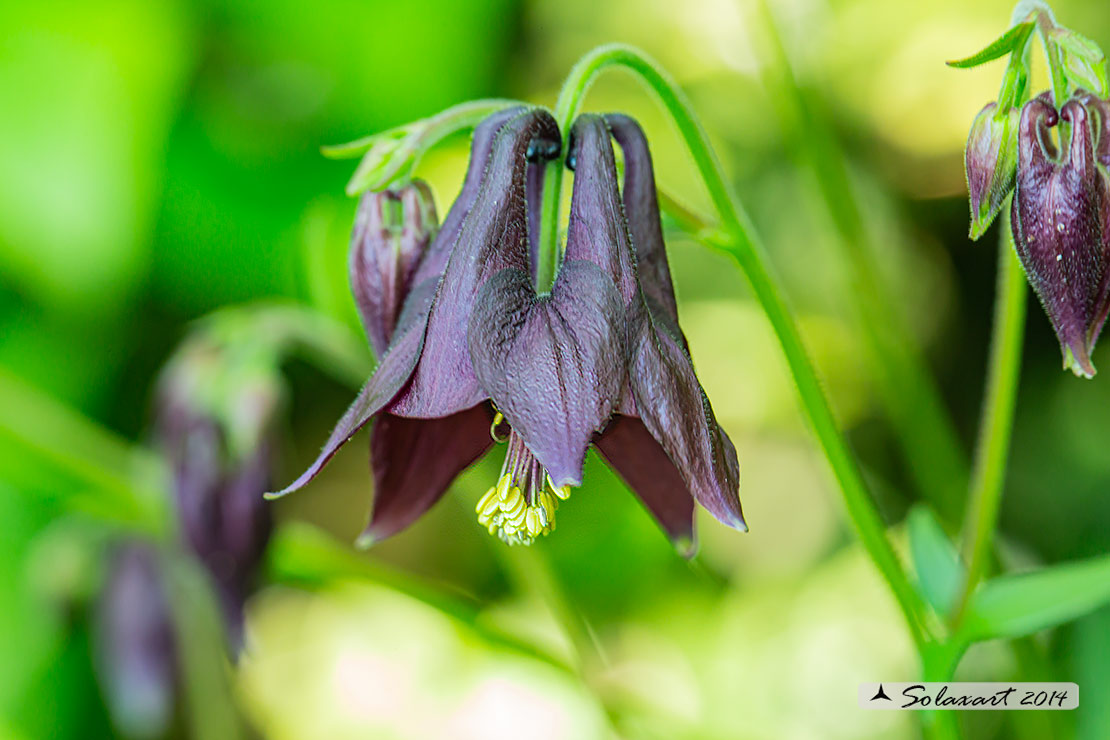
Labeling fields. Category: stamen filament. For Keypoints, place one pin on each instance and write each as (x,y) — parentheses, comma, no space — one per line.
(521,506)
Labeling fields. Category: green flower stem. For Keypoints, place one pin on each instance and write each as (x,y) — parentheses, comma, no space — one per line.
(392,155)
(431,130)
(998,416)
(938,664)
(924,428)
(740,240)
(1045,25)
(532,574)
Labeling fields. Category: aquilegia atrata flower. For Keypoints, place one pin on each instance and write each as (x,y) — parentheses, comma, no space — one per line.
(599,360)
(1061,219)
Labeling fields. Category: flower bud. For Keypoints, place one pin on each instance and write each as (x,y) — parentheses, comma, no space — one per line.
(393,228)
(216,412)
(135,645)
(990,161)
(1061,220)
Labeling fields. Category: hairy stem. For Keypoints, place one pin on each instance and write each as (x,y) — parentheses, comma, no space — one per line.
(740,240)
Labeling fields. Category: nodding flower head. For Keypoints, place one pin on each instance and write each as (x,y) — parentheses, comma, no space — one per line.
(479,356)
(215,422)
(1061,219)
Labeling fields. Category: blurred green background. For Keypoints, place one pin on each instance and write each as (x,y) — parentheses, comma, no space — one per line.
(161,159)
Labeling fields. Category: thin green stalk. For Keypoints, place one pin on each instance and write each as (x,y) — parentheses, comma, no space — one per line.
(740,240)
(1045,24)
(923,426)
(998,417)
(938,664)
(530,570)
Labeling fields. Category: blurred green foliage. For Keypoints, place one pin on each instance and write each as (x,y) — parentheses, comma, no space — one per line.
(161,159)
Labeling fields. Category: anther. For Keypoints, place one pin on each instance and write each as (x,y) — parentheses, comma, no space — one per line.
(521,506)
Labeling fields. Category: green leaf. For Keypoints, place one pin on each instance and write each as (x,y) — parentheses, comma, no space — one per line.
(359,147)
(1011,41)
(940,574)
(1016,605)
(1084,75)
(47,449)
(1078,45)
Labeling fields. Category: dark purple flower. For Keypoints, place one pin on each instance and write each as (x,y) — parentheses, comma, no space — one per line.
(600,359)
(990,161)
(136,653)
(214,423)
(1061,220)
(393,229)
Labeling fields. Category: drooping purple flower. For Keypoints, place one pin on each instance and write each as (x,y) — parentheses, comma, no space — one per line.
(1061,220)
(599,359)
(214,422)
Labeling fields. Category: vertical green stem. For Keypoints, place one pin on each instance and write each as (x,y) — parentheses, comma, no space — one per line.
(998,415)
(923,426)
(1045,24)
(740,240)
(939,664)
(530,569)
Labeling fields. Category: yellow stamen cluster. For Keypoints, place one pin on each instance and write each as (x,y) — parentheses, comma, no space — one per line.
(508,513)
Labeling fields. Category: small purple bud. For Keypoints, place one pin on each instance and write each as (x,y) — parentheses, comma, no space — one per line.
(393,229)
(990,161)
(1061,220)
(135,645)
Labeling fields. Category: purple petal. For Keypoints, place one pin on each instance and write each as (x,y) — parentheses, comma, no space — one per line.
(435,260)
(597,231)
(389,378)
(554,366)
(664,389)
(674,408)
(645,467)
(641,206)
(493,237)
(534,197)
(135,645)
(414,462)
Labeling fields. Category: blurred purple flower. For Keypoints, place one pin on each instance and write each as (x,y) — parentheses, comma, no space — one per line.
(600,359)
(1061,220)
(136,651)
(214,424)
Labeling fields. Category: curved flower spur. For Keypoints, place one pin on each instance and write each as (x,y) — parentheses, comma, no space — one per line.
(598,360)
(1061,219)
